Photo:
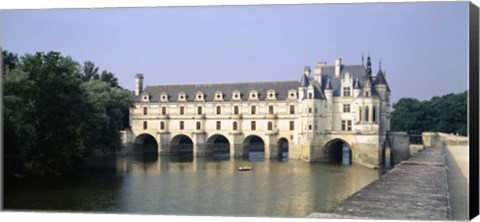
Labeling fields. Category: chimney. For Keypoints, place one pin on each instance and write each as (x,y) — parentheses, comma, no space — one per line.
(138,84)
(338,65)
(318,71)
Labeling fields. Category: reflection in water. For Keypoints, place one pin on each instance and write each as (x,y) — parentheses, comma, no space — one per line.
(195,186)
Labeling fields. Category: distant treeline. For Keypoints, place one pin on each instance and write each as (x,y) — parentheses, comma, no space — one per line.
(56,113)
(446,114)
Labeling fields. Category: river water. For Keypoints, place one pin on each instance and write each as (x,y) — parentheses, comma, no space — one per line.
(197,186)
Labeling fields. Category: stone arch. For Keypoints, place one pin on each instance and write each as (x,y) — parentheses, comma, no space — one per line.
(283,148)
(339,151)
(181,145)
(145,144)
(254,148)
(218,146)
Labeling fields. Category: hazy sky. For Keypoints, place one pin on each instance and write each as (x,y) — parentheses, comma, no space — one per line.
(422,46)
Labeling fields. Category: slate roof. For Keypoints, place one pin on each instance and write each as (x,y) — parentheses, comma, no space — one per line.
(380,79)
(373,91)
(281,90)
(281,87)
(357,71)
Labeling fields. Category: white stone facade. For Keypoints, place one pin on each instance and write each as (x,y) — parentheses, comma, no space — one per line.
(339,104)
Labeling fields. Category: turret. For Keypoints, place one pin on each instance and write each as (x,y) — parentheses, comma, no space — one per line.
(138,84)
(381,84)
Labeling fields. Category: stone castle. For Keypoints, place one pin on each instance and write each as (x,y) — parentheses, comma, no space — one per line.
(339,110)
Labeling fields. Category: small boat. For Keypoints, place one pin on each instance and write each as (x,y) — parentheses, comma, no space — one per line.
(244,168)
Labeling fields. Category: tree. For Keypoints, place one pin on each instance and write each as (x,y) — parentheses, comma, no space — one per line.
(57,107)
(447,114)
(110,78)
(89,71)
(57,112)
(10,60)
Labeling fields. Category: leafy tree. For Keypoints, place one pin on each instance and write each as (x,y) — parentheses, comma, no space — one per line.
(106,105)
(90,71)
(57,106)
(109,78)
(10,60)
(57,112)
(443,114)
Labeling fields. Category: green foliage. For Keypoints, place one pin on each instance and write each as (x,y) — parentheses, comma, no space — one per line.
(441,114)
(54,116)
(10,60)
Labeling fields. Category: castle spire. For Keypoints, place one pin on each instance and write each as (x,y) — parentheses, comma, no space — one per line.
(368,71)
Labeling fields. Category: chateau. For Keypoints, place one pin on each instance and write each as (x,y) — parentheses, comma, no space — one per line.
(338,110)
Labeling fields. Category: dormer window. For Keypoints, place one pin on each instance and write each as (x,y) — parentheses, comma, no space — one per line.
(218,96)
(271,94)
(253,95)
(199,96)
(346,91)
(182,96)
(236,95)
(292,94)
(164,97)
(145,97)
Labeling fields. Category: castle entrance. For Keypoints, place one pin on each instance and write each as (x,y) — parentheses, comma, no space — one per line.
(338,151)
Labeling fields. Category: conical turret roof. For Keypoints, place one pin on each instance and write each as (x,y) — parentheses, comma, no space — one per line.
(329,84)
(304,81)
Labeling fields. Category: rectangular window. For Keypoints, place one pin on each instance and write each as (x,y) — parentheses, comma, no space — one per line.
(270,126)
(145,110)
(344,125)
(346,91)
(253,125)
(310,95)
(292,125)
(145,126)
(182,110)
(181,125)
(310,127)
(270,109)
(235,110)
(310,110)
(219,110)
(162,125)
(292,109)
(219,125)
(346,108)
(253,110)
(235,126)
(164,110)
(199,110)
(349,125)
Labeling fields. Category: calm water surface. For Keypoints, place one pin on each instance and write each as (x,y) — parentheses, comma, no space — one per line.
(202,186)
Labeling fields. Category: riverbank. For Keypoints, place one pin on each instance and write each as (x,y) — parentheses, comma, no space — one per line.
(416,189)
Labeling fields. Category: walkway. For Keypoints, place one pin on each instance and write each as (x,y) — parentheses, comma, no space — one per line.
(415,189)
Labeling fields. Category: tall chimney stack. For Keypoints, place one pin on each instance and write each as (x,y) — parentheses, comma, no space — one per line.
(138,84)
(338,65)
